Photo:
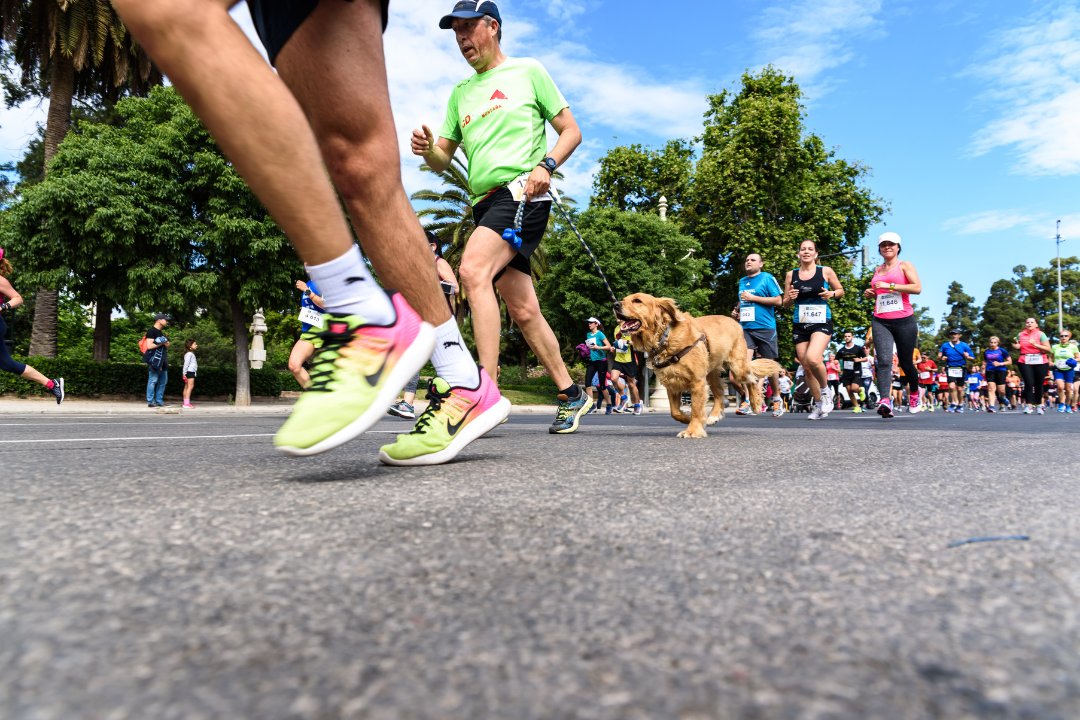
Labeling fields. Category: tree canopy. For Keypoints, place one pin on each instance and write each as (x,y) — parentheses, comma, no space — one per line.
(149,214)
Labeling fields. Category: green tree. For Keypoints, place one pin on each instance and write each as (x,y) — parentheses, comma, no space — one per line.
(635,178)
(764,185)
(962,314)
(67,49)
(638,253)
(1044,294)
(1004,312)
(149,214)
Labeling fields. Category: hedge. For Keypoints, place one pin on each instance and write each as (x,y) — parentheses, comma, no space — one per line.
(85,378)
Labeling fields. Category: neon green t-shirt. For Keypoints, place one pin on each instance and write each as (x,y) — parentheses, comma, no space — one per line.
(1060,353)
(497,117)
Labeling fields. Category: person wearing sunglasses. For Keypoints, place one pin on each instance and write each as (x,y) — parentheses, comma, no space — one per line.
(1065,354)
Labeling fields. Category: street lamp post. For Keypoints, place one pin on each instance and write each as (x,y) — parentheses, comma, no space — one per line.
(1057,241)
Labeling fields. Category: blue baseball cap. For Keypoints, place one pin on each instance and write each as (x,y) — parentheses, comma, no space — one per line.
(468,9)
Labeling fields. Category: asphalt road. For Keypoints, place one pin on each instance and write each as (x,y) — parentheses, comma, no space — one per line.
(174,566)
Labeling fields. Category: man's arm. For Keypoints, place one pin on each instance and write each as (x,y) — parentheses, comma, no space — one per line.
(569,138)
(436,153)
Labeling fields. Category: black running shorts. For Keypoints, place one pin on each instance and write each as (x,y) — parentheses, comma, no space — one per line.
(496,212)
(277,20)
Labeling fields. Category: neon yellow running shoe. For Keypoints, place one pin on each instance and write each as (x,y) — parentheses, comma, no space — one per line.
(455,416)
(355,375)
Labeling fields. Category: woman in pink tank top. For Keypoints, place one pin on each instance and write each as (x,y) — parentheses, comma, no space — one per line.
(893,324)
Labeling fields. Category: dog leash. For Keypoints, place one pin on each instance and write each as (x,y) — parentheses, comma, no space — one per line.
(513,236)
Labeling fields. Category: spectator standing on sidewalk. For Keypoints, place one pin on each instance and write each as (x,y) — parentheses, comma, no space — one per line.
(191,369)
(157,361)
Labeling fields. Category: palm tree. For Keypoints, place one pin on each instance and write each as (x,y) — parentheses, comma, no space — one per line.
(67,49)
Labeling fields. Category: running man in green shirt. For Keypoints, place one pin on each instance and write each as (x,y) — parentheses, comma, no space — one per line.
(498,117)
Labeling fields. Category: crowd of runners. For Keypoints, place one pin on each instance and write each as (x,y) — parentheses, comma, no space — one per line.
(887,372)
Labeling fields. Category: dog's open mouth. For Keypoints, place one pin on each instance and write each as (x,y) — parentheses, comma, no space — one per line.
(630,326)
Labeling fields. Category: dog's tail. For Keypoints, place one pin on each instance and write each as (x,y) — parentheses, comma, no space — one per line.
(760,368)
(763,367)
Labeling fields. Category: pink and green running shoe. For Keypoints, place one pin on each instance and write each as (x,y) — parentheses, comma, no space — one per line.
(355,374)
(455,416)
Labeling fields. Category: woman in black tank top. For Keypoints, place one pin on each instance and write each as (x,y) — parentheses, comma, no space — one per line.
(812,321)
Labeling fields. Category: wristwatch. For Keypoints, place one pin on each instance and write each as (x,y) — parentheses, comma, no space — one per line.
(549,164)
(892,286)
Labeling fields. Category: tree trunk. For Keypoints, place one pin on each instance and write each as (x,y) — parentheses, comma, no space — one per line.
(102,330)
(243,366)
(61,90)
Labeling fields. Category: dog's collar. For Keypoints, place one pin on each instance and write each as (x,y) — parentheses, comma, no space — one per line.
(672,359)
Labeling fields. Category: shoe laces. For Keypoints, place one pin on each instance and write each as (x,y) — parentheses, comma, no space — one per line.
(435,401)
(564,410)
(335,346)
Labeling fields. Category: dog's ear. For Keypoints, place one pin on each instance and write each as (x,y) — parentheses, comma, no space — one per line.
(669,308)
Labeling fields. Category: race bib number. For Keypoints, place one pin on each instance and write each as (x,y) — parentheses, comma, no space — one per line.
(311,316)
(924,376)
(888,302)
(1033,359)
(849,364)
(955,372)
(517,189)
(746,313)
(811,314)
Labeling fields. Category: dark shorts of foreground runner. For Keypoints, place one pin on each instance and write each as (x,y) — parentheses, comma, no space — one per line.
(277,20)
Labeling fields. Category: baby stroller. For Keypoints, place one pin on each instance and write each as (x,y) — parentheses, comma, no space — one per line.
(801,398)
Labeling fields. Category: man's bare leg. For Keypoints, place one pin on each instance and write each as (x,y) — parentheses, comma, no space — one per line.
(485,254)
(519,293)
(335,66)
(249,111)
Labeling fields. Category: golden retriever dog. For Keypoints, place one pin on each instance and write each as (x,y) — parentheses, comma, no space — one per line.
(689,354)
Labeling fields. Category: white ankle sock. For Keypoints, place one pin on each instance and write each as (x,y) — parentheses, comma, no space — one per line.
(452,360)
(349,289)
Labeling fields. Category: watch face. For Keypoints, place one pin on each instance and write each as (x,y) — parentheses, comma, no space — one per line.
(550,163)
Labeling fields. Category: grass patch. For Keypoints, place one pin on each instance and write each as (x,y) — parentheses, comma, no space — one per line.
(528,397)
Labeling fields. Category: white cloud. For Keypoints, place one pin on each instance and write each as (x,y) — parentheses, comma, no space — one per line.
(808,38)
(1029,224)
(987,221)
(1034,93)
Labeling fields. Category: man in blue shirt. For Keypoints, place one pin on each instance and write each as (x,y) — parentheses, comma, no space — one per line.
(759,295)
(954,354)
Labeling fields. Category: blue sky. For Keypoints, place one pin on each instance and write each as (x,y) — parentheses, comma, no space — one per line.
(967,114)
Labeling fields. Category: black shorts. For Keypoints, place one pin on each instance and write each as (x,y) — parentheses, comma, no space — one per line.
(762,341)
(496,212)
(628,369)
(996,376)
(189,375)
(277,20)
(851,379)
(957,381)
(803,331)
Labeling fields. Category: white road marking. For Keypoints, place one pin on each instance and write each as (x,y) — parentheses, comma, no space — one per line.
(137,437)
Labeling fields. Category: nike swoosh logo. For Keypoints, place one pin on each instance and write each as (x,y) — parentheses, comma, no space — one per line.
(351,280)
(452,428)
(373,379)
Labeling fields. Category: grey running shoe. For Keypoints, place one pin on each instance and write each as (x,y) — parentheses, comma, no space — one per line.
(570,412)
(402,409)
